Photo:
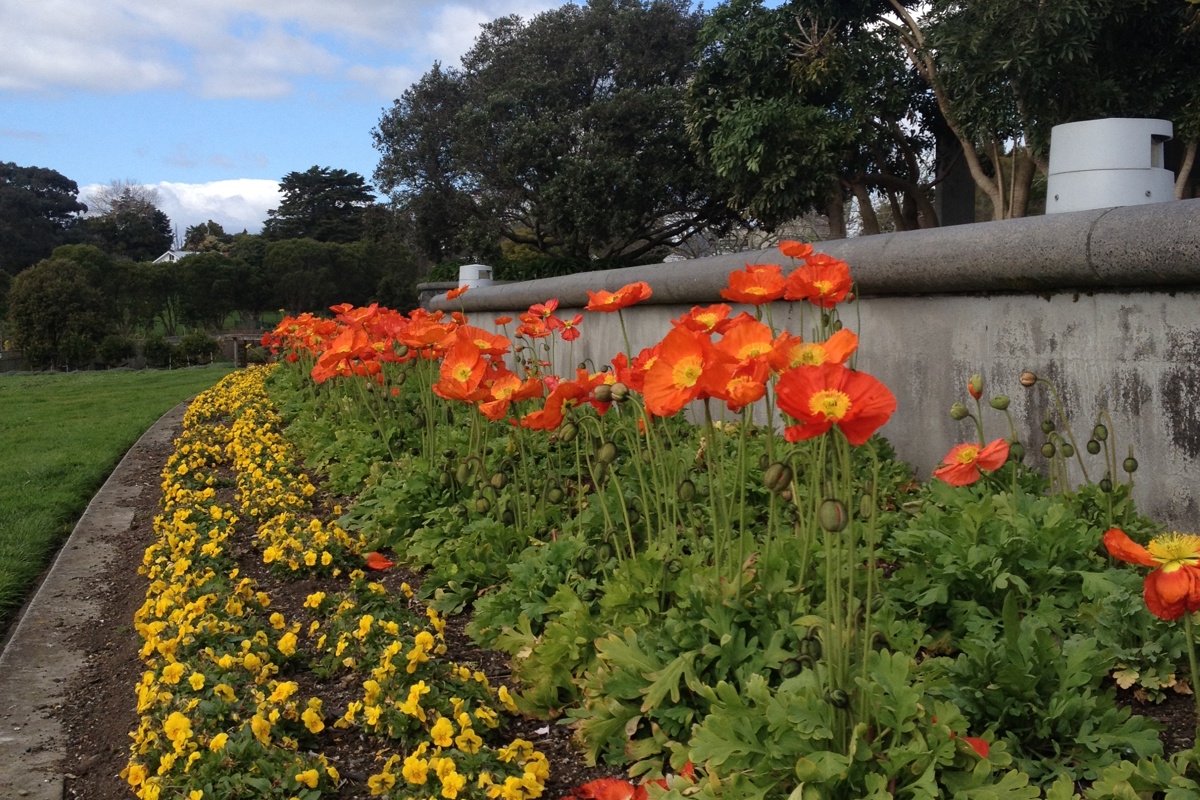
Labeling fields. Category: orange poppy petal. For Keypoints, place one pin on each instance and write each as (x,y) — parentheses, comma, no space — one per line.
(993,456)
(957,474)
(379,561)
(1121,546)
(1168,594)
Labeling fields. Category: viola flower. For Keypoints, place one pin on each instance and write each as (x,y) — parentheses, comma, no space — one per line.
(794,249)
(1174,586)
(963,463)
(628,295)
(756,284)
(823,281)
(830,394)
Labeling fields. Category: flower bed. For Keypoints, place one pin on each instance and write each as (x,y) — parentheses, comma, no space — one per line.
(725,609)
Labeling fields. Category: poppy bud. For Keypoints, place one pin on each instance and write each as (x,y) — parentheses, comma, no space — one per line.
(483,505)
(1016,452)
(865,507)
(958,411)
(620,392)
(1067,450)
(1100,433)
(604,393)
(838,698)
(568,432)
(1000,402)
(499,481)
(1027,379)
(1047,425)
(1048,449)
(1130,465)
(832,515)
(463,473)
(402,350)
(1093,446)
(1105,484)
(975,386)
(607,453)
(555,495)
(686,490)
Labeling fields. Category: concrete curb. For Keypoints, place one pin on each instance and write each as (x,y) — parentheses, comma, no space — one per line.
(39,663)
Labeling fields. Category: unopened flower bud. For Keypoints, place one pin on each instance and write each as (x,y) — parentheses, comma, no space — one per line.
(1027,379)
(975,386)
(604,393)
(1000,402)
(619,392)
(959,411)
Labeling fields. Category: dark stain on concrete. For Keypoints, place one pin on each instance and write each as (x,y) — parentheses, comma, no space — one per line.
(1129,393)
(1178,390)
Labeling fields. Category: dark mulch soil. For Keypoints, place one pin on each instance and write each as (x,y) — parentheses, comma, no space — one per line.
(101,713)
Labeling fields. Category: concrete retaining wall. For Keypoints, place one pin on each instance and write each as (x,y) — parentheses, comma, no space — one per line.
(1105,302)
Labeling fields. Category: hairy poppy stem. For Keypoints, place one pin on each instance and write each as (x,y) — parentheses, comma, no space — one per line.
(1191,649)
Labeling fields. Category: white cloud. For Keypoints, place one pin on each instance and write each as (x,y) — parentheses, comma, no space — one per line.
(238,205)
(234,48)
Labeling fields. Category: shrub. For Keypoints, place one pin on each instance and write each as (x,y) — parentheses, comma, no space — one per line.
(158,352)
(115,349)
(197,347)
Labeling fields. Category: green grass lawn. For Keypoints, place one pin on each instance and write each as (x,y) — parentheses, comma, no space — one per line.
(60,437)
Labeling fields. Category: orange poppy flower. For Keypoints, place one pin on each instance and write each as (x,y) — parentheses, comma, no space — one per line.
(1174,586)
(830,394)
(543,310)
(705,319)
(461,373)
(628,295)
(506,389)
(634,375)
(823,281)
(568,329)
(792,351)
(963,463)
(683,371)
(454,294)
(502,321)
(746,340)
(746,384)
(793,249)
(756,284)
(491,344)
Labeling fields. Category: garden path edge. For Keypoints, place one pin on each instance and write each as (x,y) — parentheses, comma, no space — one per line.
(39,662)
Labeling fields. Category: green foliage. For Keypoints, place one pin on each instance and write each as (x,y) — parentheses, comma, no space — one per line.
(1042,694)
(130,225)
(563,133)
(39,211)
(55,314)
(197,347)
(115,350)
(321,203)
(158,352)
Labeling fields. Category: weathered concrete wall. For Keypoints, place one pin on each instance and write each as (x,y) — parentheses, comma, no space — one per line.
(1105,302)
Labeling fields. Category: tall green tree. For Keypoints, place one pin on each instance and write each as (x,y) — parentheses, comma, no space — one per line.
(128,223)
(56,316)
(205,237)
(320,203)
(39,210)
(804,105)
(564,133)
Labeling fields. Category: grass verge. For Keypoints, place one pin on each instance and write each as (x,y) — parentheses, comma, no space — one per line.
(62,435)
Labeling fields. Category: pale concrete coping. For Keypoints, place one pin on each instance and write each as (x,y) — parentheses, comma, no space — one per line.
(1131,247)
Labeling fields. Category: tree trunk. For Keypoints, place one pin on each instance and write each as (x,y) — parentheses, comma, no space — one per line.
(1185,170)
(1023,167)
(870,221)
(835,208)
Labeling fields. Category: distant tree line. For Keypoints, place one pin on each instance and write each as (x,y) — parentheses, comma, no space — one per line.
(77,290)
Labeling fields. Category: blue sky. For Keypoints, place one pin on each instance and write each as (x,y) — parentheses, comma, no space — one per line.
(211,102)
